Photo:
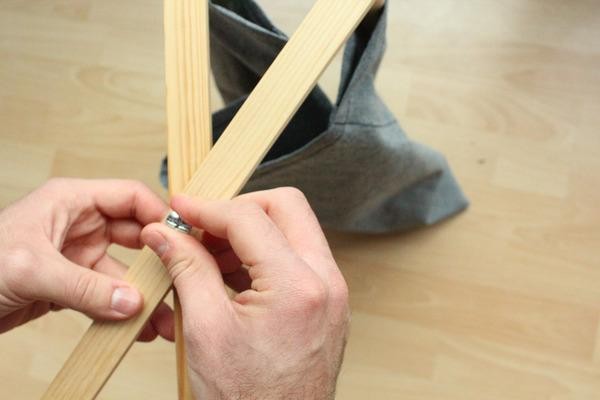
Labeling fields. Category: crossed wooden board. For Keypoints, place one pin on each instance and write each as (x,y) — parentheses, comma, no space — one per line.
(197,170)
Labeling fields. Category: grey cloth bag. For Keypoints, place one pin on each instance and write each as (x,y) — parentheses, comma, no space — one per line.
(353,161)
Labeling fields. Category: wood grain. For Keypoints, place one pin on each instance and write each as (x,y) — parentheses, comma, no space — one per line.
(499,303)
(222,174)
(187,75)
(189,120)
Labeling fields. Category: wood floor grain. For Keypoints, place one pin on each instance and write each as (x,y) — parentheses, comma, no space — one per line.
(502,302)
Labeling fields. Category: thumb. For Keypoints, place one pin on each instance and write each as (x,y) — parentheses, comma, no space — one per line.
(195,273)
(95,294)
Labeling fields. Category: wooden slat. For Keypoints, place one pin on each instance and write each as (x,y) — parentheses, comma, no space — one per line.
(187,74)
(221,176)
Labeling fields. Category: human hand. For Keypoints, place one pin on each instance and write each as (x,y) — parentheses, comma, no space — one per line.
(283,335)
(53,254)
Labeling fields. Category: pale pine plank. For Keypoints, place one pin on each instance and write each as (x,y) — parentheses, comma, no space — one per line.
(187,64)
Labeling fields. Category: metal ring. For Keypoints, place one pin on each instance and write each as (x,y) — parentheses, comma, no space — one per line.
(174,221)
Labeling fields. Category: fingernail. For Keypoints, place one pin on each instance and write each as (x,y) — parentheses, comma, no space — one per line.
(125,300)
(157,243)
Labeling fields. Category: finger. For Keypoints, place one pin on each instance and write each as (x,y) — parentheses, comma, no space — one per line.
(124,232)
(252,235)
(194,271)
(148,334)
(110,266)
(57,280)
(120,199)
(163,322)
(290,211)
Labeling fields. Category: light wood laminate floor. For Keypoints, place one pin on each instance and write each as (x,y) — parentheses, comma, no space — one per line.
(502,302)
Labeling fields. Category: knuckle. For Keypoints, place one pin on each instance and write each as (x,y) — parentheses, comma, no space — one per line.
(313,296)
(296,202)
(137,186)
(19,268)
(290,193)
(249,207)
(242,209)
(340,295)
(55,183)
(137,189)
(81,291)
(179,267)
(56,194)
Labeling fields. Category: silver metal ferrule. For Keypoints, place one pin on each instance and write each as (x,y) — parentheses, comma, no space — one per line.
(174,221)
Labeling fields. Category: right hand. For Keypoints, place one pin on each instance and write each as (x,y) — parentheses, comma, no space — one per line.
(283,335)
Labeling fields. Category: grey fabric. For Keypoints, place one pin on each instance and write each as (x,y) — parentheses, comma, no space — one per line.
(353,161)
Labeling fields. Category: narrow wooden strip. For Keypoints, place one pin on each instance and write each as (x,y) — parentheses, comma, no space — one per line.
(184,387)
(187,72)
(221,176)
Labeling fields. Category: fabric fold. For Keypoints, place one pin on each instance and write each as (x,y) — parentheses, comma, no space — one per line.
(355,164)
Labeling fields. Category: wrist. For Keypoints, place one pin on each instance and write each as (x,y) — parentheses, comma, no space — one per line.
(302,388)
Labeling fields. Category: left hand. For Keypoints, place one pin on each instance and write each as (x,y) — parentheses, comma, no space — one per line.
(53,255)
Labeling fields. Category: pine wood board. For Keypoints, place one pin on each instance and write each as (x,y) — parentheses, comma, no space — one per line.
(189,120)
